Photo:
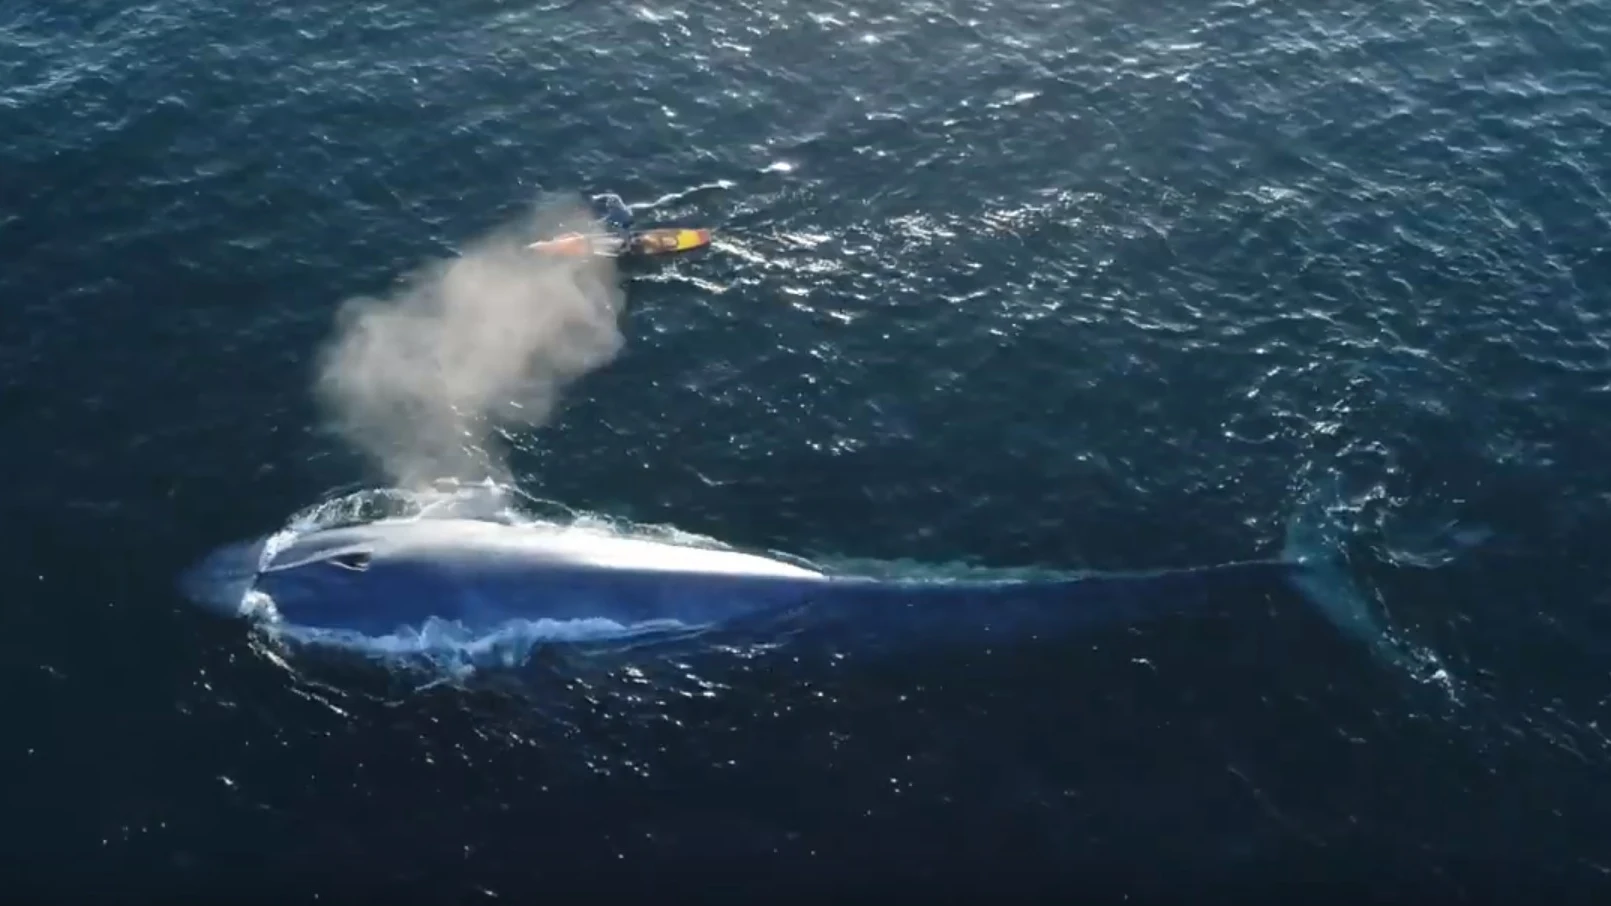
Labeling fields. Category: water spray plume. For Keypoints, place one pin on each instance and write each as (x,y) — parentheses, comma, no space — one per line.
(420,379)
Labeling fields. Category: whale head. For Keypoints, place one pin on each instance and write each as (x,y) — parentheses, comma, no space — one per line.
(380,577)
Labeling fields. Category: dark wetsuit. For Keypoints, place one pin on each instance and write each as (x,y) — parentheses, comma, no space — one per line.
(613,213)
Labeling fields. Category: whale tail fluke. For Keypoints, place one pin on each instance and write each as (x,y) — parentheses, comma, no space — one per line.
(1314,544)
(972,611)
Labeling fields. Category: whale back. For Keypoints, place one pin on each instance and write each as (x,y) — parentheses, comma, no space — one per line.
(404,580)
(379,577)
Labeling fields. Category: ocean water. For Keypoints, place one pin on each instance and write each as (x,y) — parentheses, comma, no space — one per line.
(1007,283)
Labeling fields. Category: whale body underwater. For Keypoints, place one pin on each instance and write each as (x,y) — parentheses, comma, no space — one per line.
(400,576)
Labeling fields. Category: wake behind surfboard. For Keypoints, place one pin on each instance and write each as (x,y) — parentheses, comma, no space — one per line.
(652,243)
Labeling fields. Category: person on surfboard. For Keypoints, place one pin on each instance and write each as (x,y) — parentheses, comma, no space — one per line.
(615,217)
(613,234)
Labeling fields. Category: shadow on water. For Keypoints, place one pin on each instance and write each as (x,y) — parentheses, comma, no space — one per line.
(1198,751)
(1227,749)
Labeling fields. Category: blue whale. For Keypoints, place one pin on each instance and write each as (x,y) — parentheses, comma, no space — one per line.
(399,577)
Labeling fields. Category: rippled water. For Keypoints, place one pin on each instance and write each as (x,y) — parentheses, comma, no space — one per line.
(1012,284)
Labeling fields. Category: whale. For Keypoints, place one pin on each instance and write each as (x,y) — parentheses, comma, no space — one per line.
(397,577)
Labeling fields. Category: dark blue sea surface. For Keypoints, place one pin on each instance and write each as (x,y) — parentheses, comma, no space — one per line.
(1009,283)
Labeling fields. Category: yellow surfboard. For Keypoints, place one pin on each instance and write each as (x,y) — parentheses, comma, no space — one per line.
(668,241)
(650,243)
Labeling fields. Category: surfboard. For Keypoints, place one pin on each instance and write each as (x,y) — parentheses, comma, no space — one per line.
(653,243)
(669,241)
